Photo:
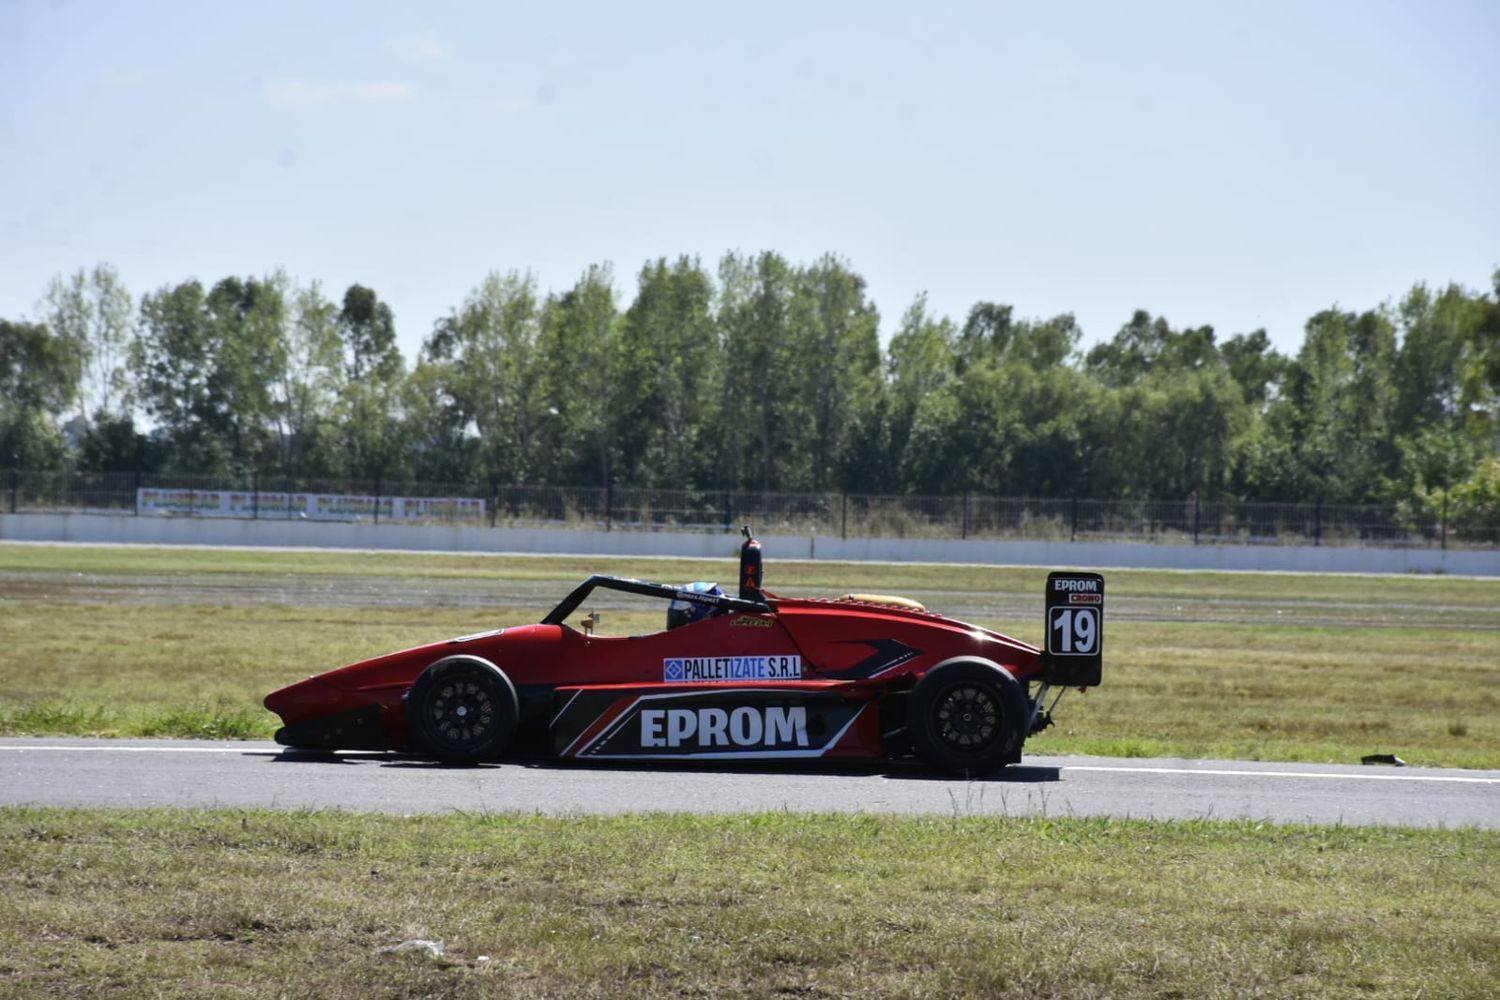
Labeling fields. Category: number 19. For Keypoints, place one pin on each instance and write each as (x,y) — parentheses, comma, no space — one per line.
(1077,630)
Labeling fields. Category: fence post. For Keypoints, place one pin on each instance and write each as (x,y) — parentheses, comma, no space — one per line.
(254,494)
(728,511)
(1195,518)
(963,526)
(609,504)
(377,498)
(1073,534)
(1443,530)
(844,517)
(494,500)
(1318,522)
(15,487)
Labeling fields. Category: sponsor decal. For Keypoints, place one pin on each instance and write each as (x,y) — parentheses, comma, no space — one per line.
(720,722)
(1085,598)
(709,669)
(771,727)
(750,621)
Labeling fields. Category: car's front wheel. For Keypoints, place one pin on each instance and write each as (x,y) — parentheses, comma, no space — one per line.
(968,716)
(462,709)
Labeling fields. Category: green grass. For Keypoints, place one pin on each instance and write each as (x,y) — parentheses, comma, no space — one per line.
(1211,664)
(187,904)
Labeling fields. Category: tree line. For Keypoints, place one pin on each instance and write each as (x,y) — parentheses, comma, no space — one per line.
(760,374)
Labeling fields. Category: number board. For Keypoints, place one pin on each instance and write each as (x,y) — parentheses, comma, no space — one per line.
(1075,629)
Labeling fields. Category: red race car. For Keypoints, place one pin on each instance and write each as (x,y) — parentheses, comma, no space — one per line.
(732,678)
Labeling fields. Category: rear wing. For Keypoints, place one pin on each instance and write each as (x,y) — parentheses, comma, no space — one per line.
(1073,655)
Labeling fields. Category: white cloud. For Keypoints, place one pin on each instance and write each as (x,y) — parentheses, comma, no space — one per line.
(418,48)
(303,94)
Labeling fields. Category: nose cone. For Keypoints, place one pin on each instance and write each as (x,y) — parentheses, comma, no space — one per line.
(305,700)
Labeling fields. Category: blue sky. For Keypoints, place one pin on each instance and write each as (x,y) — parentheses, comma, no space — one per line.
(1239,165)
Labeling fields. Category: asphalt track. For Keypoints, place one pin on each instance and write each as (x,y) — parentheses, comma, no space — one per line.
(244,775)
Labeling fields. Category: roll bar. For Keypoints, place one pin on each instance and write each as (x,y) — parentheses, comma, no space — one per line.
(664,591)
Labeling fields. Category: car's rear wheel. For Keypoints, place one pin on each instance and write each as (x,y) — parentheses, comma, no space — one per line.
(462,709)
(968,717)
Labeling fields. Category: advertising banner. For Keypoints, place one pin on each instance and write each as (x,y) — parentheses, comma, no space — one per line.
(305,506)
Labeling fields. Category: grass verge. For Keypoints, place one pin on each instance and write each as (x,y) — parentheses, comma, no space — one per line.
(179,904)
(1187,685)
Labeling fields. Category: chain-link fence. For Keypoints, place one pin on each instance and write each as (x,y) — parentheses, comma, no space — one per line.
(843,515)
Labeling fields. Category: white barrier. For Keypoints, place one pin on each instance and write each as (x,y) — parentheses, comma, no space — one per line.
(256,505)
(125,529)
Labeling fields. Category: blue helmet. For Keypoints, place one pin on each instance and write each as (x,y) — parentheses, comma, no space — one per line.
(683,611)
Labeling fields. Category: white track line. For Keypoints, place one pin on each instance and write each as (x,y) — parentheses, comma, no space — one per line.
(1277,774)
(1111,769)
(68,749)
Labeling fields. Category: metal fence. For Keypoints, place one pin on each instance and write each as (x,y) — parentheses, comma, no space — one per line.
(825,514)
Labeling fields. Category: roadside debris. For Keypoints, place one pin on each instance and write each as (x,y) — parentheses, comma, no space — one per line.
(1382,758)
(434,949)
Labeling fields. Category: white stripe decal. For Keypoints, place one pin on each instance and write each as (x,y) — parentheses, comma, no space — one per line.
(569,705)
(835,741)
(609,730)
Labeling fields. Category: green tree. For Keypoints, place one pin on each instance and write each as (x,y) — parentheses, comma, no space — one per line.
(38,381)
(757,431)
(1474,508)
(1178,435)
(1146,345)
(1329,435)
(1011,419)
(371,388)
(1479,396)
(1433,331)
(1057,446)
(1184,411)
(670,376)
(836,331)
(579,349)
(308,385)
(921,366)
(115,444)
(247,320)
(92,311)
(174,357)
(1255,366)
(488,351)
(443,447)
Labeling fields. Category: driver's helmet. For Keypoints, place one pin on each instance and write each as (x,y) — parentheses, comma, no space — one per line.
(682,612)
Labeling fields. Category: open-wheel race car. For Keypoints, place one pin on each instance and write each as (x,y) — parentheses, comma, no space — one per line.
(732,678)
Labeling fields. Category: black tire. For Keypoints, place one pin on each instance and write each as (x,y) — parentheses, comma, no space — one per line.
(462,710)
(968,716)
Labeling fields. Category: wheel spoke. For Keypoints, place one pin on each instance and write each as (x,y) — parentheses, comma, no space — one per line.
(967,716)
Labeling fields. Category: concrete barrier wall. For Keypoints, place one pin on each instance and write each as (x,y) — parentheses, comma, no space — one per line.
(126,529)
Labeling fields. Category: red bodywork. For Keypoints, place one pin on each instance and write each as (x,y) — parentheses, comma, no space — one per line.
(805,678)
